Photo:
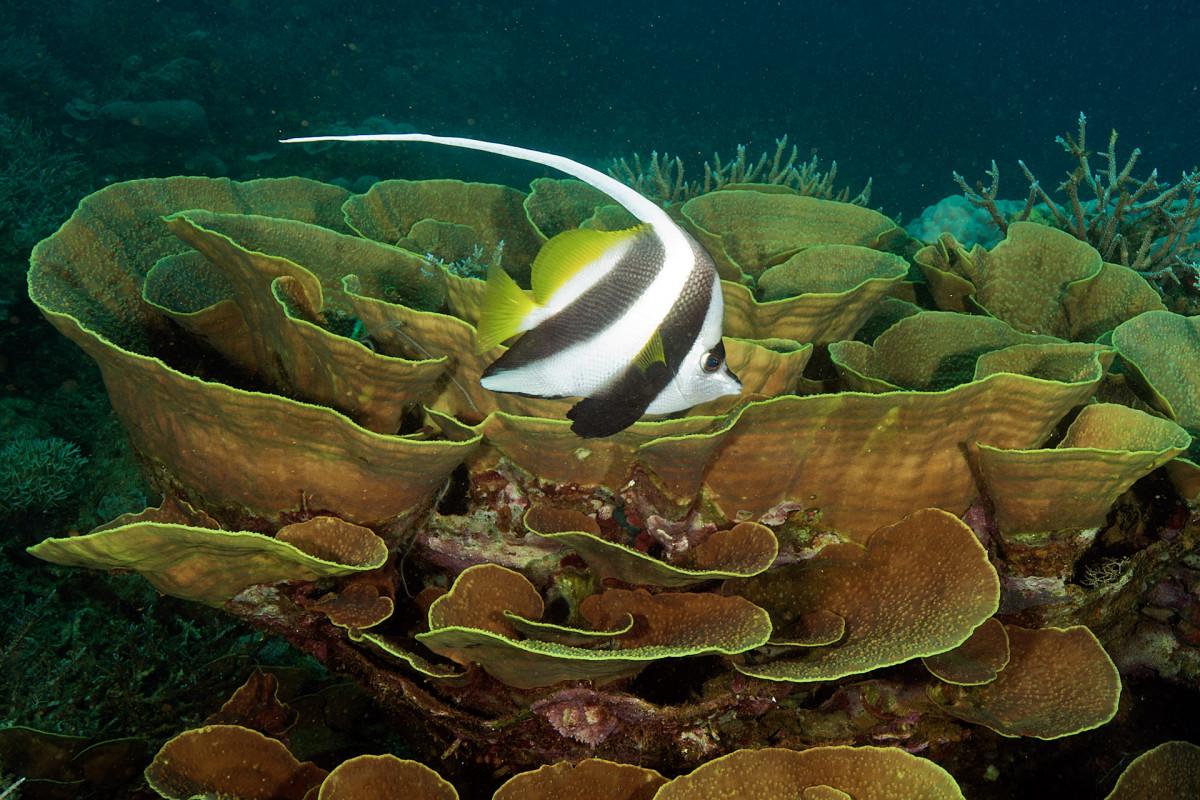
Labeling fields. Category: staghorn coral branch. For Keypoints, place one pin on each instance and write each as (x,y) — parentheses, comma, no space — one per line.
(861,199)
(1036,191)
(779,171)
(985,197)
(1078,223)
(1180,225)
(1122,208)
(663,177)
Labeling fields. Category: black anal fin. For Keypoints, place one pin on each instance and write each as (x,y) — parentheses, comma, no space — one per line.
(620,404)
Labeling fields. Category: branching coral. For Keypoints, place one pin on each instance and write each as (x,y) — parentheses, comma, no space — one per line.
(1108,573)
(37,185)
(1143,224)
(38,474)
(662,177)
(471,265)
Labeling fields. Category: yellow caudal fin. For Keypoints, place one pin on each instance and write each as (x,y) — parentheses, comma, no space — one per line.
(505,307)
(561,258)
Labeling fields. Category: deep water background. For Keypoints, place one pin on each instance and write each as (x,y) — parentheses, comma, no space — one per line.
(902,92)
(93,92)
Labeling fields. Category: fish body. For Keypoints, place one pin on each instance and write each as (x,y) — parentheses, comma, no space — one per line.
(630,320)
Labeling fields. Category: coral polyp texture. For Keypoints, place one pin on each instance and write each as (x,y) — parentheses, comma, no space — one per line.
(883,540)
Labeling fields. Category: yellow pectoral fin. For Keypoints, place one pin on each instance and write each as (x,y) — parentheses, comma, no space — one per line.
(561,258)
(651,353)
(505,307)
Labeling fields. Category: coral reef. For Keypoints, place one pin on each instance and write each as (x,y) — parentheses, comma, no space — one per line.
(662,177)
(239,760)
(37,185)
(38,474)
(1170,770)
(1143,224)
(255,746)
(884,541)
(968,223)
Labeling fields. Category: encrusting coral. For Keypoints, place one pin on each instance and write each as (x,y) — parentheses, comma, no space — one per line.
(297,368)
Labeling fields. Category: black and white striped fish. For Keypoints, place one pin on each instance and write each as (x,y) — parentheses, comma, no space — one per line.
(630,320)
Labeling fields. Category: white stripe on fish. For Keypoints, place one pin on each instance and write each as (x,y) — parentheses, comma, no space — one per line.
(661,350)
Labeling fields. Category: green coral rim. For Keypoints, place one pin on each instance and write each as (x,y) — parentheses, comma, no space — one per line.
(634,566)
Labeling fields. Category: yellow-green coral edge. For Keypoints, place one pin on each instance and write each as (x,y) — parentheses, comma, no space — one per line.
(735,416)
(416,662)
(1007,658)
(756,303)
(183,215)
(517,621)
(334,414)
(558,652)
(1116,700)
(63,550)
(1097,451)
(654,565)
(887,663)
(1151,755)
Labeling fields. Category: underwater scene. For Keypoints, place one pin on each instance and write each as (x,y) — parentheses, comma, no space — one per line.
(645,401)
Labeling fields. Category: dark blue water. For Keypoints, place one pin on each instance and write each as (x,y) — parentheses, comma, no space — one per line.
(93,92)
(903,92)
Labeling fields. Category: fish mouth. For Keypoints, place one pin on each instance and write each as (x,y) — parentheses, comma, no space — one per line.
(733,384)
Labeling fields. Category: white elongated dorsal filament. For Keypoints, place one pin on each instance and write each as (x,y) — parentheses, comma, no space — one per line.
(641,321)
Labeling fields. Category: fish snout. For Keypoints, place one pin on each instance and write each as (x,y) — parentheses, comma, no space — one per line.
(730,382)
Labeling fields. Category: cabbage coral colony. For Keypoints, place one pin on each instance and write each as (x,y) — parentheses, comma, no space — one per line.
(902,510)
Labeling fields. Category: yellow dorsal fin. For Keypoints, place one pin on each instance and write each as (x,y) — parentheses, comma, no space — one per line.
(505,307)
(650,353)
(570,251)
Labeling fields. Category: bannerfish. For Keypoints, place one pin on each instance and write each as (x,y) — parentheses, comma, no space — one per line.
(628,320)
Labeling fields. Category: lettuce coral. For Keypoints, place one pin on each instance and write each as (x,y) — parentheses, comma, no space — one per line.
(926,435)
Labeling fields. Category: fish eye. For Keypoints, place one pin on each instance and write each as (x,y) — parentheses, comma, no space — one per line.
(712,362)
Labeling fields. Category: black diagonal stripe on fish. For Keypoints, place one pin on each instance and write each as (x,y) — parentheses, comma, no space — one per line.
(634,391)
(630,321)
(612,295)
(701,374)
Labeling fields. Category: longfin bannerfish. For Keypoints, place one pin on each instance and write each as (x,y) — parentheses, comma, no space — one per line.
(629,320)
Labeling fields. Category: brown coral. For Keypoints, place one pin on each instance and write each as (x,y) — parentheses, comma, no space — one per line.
(297,366)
